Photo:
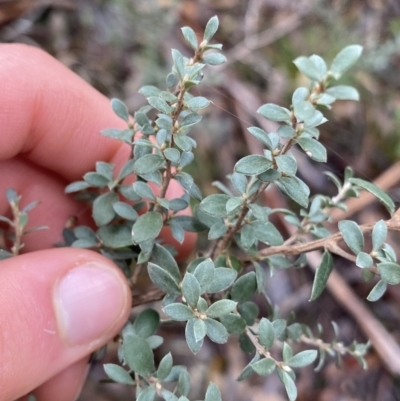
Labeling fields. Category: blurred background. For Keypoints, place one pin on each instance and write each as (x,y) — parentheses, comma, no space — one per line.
(119,45)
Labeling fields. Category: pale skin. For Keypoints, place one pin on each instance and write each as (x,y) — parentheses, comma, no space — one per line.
(50,121)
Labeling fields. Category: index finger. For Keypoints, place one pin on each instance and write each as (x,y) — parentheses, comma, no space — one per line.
(51,116)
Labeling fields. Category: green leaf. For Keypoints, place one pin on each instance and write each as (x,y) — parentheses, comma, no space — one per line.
(190,119)
(245,343)
(286,164)
(390,272)
(213,393)
(184,383)
(216,331)
(345,59)
(143,190)
(215,205)
(115,236)
(288,383)
(352,235)
(166,261)
(190,36)
(165,367)
(379,234)
(147,395)
(221,308)
(343,92)
(154,341)
(214,59)
(303,110)
(249,312)
(235,324)
(377,192)
(199,329)
(308,67)
(103,211)
(303,358)
(295,189)
(147,91)
(211,29)
(364,260)
(244,288)
(264,367)
(125,211)
(160,105)
(260,277)
(279,327)
(299,95)
(321,275)
(287,352)
(320,64)
(146,323)
(223,279)
(378,291)
(120,109)
(313,149)
(274,112)
(178,312)
(204,273)
(261,135)
(252,165)
(118,374)
(217,230)
(76,186)
(147,227)
(148,164)
(191,289)
(189,223)
(162,279)
(191,341)
(138,355)
(96,180)
(266,333)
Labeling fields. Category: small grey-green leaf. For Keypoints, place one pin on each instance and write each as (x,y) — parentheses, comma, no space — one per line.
(252,165)
(274,112)
(147,227)
(118,374)
(198,102)
(264,367)
(125,211)
(343,92)
(165,366)
(261,135)
(287,352)
(138,355)
(379,234)
(266,333)
(213,393)
(378,291)
(303,358)
(190,36)
(115,235)
(199,329)
(223,279)
(288,383)
(184,383)
(148,164)
(147,395)
(160,105)
(103,211)
(352,235)
(215,205)
(216,331)
(260,277)
(286,164)
(120,109)
(220,308)
(76,186)
(303,110)
(308,67)
(147,91)
(313,149)
(239,181)
(345,59)
(165,260)
(162,279)
(249,312)
(178,312)
(235,324)
(217,230)
(364,260)
(143,190)
(191,341)
(321,275)
(377,192)
(190,119)
(211,28)
(295,189)
(191,289)
(244,287)
(96,179)
(320,64)
(146,323)
(204,273)
(300,94)
(390,272)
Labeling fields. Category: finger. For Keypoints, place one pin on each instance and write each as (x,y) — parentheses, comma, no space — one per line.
(71,302)
(51,116)
(66,386)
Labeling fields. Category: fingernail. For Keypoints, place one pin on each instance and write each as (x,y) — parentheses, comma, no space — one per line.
(88,301)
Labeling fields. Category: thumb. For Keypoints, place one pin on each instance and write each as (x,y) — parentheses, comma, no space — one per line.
(57,306)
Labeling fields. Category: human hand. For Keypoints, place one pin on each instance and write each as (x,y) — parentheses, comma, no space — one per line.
(57,305)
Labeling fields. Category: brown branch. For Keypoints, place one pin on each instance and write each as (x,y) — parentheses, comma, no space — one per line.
(152,295)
